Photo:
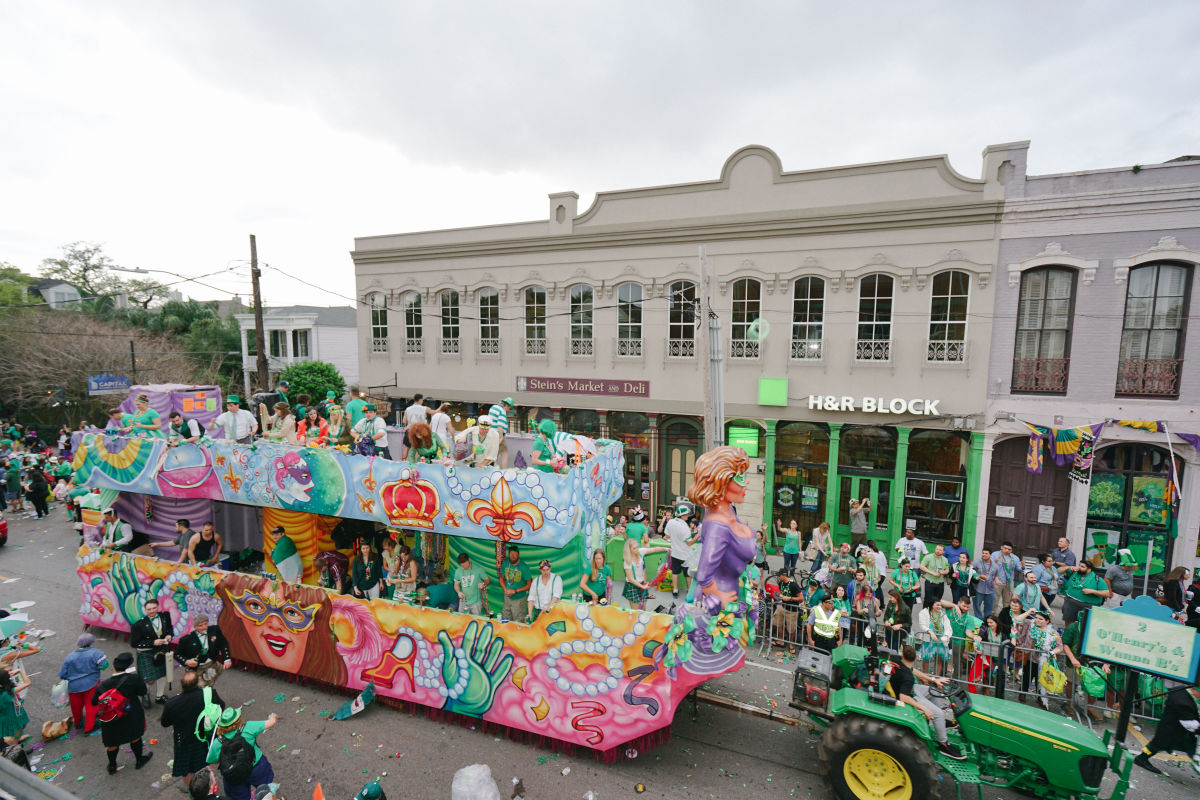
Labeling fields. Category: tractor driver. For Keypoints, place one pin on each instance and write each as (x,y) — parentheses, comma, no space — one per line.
(901,686)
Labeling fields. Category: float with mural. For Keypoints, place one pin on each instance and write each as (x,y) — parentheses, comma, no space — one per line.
(592,675)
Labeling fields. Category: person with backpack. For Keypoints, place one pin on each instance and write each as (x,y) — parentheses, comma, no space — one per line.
(118,707)
(193,714)
(81,669)
(235,751)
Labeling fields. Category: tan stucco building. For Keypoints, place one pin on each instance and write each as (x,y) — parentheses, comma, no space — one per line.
(875,281)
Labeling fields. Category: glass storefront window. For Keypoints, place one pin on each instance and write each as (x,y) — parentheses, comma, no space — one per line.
(937,452)
(1129,504)
(581,420)
(807,442)
(868,448)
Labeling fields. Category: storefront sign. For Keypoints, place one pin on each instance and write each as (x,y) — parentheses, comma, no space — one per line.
(745,438)
(785,496)
(108,384)
(1006,512)
(874,405)
(1140,634)
(808,498)
(618,388)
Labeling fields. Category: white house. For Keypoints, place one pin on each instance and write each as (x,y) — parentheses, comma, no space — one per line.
(295,334)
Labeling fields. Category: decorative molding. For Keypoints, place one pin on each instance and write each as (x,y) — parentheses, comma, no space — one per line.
(905,281)
(1053,254)
(983,278)
(1167,249)
(879,259)
(954,254)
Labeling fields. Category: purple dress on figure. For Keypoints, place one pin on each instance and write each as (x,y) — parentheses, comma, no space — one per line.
(723,556)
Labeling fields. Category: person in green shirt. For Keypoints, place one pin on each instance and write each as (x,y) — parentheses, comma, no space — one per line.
(514,579)
(842,566)
(469,583)
(12,486)
(1084,588)
(146,422)
(594,581)
(230,725)
(542,456)
(935,568)
(964,630)
(908,582)
(356,408)
(636,527)
(791,544)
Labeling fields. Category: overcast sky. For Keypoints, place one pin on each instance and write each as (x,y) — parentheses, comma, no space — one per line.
(169,131)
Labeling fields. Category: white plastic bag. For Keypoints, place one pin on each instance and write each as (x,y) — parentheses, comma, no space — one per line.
(58,694)
(474,783)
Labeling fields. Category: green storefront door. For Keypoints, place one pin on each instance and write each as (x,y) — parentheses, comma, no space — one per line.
(879,492)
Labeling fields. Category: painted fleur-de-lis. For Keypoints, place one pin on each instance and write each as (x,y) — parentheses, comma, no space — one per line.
(233,481)
(452,518)
(369,482)
(366,504)
(504,513)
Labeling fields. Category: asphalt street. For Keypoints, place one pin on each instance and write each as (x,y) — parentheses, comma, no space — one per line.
(721,754)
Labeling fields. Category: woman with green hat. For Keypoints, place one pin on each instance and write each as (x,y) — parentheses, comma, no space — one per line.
(542,456)
(232,756)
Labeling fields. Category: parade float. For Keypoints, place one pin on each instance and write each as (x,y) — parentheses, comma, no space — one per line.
(597,676)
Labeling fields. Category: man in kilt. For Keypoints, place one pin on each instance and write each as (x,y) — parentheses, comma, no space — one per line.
(151,636)
(182,713)
(204,650)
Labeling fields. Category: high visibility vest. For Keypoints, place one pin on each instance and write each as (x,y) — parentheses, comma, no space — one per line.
(825,625)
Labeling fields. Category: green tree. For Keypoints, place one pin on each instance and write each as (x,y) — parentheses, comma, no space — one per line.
(85,266)
(14,285)
(313,378)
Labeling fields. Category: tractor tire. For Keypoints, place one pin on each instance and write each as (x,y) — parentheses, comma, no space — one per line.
(867,759)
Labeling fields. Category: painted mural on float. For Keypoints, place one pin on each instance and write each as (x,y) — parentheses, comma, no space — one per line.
(512,505)
(594,675)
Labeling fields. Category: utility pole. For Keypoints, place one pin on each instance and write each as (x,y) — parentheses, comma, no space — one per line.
(713,388)
(260,343)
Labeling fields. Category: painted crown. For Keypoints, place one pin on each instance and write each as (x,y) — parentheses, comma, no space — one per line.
(410,501)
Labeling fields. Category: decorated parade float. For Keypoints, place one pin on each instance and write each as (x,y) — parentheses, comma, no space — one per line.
(593,675)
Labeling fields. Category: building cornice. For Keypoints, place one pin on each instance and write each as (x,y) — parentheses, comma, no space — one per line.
(950,214)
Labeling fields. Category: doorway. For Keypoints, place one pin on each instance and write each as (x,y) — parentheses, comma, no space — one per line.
(879,492)
(680,445)
(1025,508)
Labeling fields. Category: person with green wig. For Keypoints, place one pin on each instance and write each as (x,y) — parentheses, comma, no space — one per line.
(543,447)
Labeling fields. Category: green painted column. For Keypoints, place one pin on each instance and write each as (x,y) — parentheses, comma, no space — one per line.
(896,513)
(831,474)
(769,483)
(971,501)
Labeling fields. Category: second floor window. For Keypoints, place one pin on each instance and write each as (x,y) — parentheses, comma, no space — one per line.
(948,317)
(629,319)
(300,344)
(489,321)
(450,329)
(808,318)
(279,347)
(535,320)
(874,319)
(681,322)
(747,308)
(1041,357)
(581,320)
(412,323)
(1152,336)
(379,324)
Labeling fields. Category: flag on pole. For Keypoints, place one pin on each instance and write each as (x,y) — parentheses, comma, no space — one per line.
(287,559)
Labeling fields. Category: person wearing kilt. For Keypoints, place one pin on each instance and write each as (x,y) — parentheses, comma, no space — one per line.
(182,713)
(204,650)
(151,636)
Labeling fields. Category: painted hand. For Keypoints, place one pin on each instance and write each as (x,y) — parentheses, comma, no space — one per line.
(126,586)
(473,672)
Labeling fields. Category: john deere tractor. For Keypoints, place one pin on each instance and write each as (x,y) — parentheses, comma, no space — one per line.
(873,748)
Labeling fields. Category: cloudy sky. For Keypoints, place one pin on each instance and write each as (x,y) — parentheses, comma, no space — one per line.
(168,132)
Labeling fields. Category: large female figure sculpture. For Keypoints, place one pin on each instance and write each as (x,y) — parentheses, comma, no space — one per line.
(710,637)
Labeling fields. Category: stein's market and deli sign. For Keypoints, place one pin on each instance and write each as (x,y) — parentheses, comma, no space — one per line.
(618,388)
(918,406)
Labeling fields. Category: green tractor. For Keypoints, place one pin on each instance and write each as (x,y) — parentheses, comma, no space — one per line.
(873,748)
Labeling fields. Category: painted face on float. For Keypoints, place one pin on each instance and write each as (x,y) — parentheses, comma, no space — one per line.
(277,628)
(735,490)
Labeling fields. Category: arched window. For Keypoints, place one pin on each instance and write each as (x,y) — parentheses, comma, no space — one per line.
(535,321)
(948,317)
(681,328)
(581,420)
(1042,357)
(379,324)
(1129,505)
(869,449)
(413,342)
(874,319)
(450,327)
(581,320)
(489,322)
(808,318)
(747,308)
(629,319)
(1152,337)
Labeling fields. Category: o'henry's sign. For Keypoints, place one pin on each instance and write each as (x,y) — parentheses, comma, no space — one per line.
(1136,636)
(874,405)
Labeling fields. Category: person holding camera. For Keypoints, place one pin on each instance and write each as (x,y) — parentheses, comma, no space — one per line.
(858,522)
